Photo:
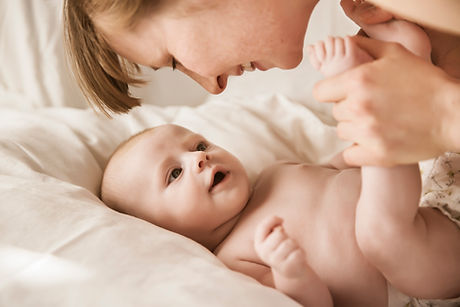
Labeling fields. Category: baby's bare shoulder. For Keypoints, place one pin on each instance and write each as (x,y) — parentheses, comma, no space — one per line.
(283,166)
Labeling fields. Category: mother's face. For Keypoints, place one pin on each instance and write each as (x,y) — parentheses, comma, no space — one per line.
(219,39)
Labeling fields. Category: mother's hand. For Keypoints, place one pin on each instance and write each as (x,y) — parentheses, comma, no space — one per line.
(396,109)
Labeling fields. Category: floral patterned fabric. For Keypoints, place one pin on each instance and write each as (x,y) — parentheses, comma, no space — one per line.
(441,185)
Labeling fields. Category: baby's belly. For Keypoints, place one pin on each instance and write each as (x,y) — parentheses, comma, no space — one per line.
(318,207)
(312,199)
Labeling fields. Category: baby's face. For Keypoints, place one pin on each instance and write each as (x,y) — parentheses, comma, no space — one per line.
(178,180)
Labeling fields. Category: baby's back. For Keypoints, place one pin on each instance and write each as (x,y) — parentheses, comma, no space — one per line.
(317,205)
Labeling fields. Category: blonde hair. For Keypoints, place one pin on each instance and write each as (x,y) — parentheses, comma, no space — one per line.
(103,76)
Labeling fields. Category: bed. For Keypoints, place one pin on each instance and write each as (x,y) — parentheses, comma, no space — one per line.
(59,244)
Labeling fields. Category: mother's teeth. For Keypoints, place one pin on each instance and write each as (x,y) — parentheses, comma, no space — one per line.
(247,67)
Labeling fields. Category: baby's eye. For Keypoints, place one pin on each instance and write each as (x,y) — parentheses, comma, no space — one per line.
(174,174)
(201,146)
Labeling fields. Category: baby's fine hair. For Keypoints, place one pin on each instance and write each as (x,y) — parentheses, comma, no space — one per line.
(111,180)
(103,76)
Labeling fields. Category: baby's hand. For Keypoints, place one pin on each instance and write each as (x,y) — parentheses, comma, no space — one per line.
(277,250)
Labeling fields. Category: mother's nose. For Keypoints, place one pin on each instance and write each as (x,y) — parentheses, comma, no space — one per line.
(214,85)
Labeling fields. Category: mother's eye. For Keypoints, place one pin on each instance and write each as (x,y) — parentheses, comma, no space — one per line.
(174,174)
(201,146)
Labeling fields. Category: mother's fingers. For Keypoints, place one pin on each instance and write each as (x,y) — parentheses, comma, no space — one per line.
(367,148)
(346,130)
(359,155)
(332,89)
(359,132)
(356,155)
(342,111)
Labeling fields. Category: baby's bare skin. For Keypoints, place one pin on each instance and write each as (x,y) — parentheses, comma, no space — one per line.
(318,205)
(322,235)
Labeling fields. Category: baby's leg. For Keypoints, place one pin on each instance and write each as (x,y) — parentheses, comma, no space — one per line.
(416,249)
(335,55)
(408,34)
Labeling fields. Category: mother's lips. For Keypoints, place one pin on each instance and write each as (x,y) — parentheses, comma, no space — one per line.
(259,67)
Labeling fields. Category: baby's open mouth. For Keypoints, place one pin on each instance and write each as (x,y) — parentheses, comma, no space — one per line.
(218,177)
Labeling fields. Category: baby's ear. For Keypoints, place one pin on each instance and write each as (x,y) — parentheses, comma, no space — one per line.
(362,12)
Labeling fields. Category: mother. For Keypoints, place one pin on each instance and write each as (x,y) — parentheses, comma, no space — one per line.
(210,40)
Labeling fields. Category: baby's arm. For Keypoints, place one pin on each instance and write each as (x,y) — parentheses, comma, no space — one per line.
(291,273)
(416,249)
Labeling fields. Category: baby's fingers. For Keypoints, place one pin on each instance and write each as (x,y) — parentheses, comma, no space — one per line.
(266,227)
(294,265)
(283,250)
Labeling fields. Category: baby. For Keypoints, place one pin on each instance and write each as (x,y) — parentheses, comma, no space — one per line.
(322,234)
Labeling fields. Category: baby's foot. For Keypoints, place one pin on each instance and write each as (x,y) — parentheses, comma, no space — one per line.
(336,54)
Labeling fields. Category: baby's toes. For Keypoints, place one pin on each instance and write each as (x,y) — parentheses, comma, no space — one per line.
(320,51)
(313,58)
(339,46)
(329,46)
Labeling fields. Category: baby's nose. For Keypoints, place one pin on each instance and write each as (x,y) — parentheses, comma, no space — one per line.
(200,159)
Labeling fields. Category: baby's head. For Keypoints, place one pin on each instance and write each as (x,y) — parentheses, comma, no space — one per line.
(176,179)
